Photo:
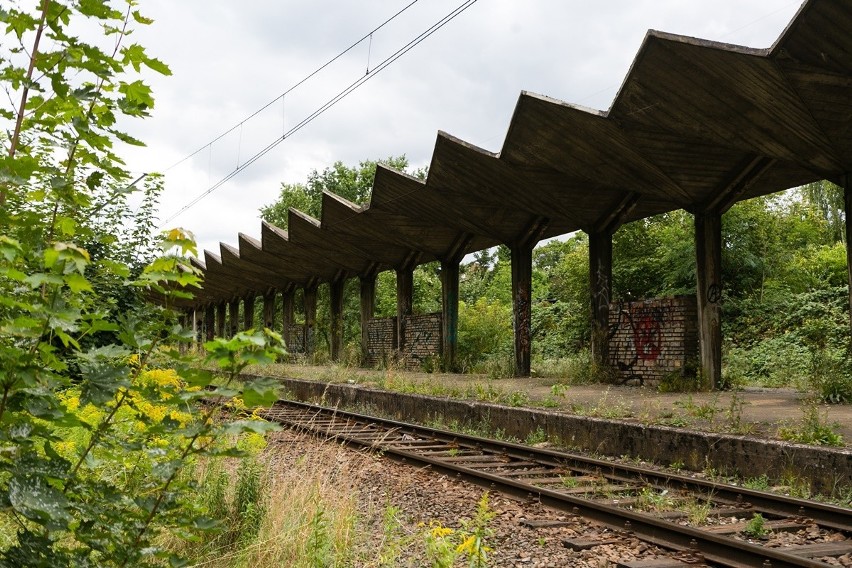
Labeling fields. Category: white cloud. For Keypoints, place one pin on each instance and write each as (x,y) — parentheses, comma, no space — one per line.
(230,58)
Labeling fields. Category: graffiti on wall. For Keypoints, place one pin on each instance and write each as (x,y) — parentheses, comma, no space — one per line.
(647,328)
(640,330)
(653,338)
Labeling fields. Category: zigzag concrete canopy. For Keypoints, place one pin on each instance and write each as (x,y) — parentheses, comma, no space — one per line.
(696,125)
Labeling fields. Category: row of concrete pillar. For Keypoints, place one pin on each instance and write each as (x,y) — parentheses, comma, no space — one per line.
(224,319)
(708,240)
(218,322)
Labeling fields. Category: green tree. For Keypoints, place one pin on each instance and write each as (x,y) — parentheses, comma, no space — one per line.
(352,183)
(77,358)
(827,199)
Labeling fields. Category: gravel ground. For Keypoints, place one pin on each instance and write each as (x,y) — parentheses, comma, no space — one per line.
(420,499)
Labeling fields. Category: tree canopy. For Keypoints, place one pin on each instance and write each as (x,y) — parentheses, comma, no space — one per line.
(352,183)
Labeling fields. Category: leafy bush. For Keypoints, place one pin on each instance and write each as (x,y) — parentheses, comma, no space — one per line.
(831,376)
(96,440)
(485,332)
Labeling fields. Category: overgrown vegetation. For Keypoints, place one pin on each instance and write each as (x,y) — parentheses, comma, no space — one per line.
(106,459)
(98,421)
(783,266)
(281,507)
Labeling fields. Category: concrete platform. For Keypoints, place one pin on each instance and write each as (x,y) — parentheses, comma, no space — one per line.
(725,433)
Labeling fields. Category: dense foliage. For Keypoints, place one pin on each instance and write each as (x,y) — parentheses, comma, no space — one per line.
(783,268)
(99,430)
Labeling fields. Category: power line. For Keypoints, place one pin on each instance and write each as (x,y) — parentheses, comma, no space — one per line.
(294,87)
(328,104)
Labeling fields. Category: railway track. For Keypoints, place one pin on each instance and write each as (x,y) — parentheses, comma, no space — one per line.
(637,502)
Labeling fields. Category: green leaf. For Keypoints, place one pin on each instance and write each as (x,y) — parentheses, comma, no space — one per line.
(137,97)
(66,226)
(156,65)
(166,470)
(103,372)
(24,326)
(39,278)
(51,255)
(96,8)
(260,392)
(241,426)
(77,283)
(140,19)
(12,274)
(94,180)
(127,139)
(9,248)
(33,498)
(196,377)
(20,23)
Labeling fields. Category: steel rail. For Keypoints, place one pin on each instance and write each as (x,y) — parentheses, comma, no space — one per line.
(823,514)
(713,547)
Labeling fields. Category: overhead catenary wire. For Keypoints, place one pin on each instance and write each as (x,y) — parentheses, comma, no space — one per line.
(327,105)
(295,86)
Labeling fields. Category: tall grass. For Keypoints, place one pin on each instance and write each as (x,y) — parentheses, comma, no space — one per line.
(277,510)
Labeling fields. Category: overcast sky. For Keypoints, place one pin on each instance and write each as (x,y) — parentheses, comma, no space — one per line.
(230,58)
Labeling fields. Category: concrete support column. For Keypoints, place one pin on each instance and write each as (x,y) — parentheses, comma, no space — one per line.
(220,319)
(336,298)
(310,317)
(708,253)
(288,298)
(600,282)
(269,310)
(450,312)
(234,317)
(209,322)
(248,312)
(404,302)
(368,308)
(521,251)
(522,307)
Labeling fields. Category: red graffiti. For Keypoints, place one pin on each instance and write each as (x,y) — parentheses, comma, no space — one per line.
(647,337)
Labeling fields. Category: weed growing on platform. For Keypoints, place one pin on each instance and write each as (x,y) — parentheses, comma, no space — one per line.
(518,398)
(734,413)
(548,402)
(812,428)
(703,411)
(605,408)
(559,389)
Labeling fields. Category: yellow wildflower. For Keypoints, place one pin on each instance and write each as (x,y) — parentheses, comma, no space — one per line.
(468,545)
(441,532)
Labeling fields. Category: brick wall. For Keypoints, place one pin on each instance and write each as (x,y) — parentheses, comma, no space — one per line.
(423,339)
(422,342)
(653,338)
(297,338)
(381,340)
